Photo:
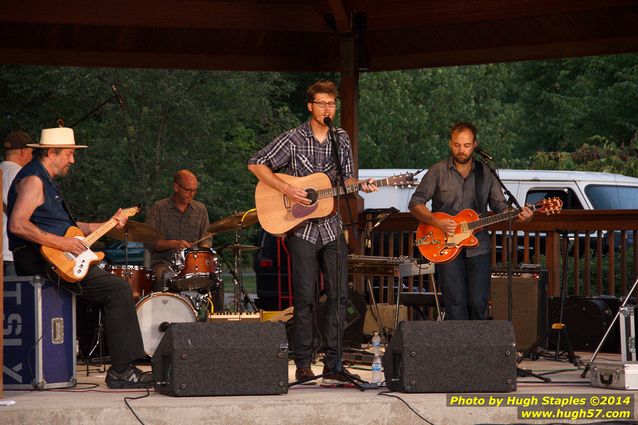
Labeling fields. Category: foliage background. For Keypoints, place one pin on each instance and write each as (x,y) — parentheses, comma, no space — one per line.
(559,114)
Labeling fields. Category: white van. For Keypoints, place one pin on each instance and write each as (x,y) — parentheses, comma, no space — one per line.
(577,189)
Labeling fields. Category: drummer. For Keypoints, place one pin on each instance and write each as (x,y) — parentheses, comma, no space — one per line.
(181,220)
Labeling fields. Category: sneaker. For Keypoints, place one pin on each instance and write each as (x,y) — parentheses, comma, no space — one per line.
(130,378)
(337,379)
(305,374)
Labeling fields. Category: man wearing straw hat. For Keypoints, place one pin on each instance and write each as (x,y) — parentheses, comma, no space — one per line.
(39,216)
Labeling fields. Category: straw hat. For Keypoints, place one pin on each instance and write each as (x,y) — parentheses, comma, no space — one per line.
(60,137)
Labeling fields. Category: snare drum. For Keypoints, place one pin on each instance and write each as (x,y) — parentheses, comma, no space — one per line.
(159,310)
(140,279)
(197,269)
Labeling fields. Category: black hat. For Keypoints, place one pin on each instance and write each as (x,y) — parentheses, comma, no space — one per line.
(17,140)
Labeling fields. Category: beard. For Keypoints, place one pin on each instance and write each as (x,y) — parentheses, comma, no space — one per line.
(462,159)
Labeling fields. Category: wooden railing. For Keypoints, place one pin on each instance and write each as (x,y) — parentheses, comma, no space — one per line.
(602,250)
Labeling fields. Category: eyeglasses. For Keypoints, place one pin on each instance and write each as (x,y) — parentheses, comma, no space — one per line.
(185,189)
(324,105)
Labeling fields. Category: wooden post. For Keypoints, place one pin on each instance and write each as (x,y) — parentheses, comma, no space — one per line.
(1,304)
(349,108)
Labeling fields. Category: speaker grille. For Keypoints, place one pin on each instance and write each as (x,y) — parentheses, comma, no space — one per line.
(201,359)
(452,356)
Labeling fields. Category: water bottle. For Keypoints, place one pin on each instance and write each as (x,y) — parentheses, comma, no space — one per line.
(376,344)
(377,372)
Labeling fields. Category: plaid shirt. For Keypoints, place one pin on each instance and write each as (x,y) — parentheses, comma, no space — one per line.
(298,153)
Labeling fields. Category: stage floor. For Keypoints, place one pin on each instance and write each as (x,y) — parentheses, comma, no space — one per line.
(92,402)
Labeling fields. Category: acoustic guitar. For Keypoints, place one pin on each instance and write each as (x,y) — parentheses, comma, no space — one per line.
(438,247)
(278,215)
(74,268)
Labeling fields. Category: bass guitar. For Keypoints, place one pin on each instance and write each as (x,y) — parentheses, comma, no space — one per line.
(438,247)
(74,268)
(277,214)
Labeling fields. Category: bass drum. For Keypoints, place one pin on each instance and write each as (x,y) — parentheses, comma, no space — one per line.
(158,310)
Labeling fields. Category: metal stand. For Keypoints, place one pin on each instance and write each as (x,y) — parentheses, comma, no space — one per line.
(511,201)
(613,322)
(340,186)
(240,297)
(559,326)
(99,345)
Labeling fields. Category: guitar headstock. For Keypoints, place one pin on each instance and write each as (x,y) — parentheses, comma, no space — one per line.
(549,205)
(130,212)
(402,180)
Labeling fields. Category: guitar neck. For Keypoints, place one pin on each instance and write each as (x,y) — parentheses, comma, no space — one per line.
(350,188)
(106,226)
(99,232)
(496,218)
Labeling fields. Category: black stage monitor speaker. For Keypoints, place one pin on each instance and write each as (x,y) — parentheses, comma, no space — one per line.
(529,303)
(226,358)
(451,356)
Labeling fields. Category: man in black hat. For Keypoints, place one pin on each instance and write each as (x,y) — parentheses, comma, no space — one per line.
(16,155)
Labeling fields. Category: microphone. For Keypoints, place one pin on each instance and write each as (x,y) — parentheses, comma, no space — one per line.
(119,97)
(328,121)
(383,216)
(479,150)
(380,218)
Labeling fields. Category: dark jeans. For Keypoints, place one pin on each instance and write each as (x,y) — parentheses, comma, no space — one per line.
(9,268)
(308,260)
(465,283)
(100,288)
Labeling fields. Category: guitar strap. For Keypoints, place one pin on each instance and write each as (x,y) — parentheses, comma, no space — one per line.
(64,204)
(478,188)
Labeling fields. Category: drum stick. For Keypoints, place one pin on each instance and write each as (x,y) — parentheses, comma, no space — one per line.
(208,235)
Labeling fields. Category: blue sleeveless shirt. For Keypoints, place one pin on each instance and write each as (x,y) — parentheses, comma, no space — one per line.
(52,216)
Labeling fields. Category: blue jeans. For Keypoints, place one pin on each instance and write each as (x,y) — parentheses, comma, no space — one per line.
(308,261)
(465,284)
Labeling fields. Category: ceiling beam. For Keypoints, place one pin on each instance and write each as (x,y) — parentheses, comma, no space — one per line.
(461,57)
(233,15)
(393,15)
(341,16)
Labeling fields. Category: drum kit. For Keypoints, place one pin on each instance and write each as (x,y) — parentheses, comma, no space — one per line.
(193,282)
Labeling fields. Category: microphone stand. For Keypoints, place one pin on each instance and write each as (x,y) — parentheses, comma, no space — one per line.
(511,200)
(112,98)
(340,185)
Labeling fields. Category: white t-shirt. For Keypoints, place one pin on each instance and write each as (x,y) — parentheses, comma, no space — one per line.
(9,171)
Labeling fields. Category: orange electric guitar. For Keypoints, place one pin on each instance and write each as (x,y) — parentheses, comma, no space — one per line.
(278,215)
(71,267)
(440,248)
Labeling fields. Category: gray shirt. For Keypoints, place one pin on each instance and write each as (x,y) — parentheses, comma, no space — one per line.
(451,193)
(189,225)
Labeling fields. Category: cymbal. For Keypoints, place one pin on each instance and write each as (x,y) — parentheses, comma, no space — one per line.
(237,247)
(232,222)
(137,232)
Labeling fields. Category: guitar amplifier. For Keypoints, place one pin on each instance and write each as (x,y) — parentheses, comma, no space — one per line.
(39,335)
(529,302)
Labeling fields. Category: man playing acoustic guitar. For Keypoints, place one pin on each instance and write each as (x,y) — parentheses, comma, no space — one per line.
(313,246)
(455,184)
(38,216)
